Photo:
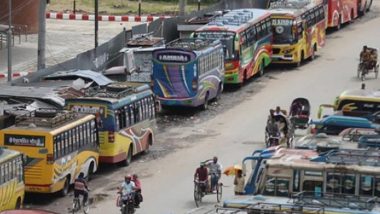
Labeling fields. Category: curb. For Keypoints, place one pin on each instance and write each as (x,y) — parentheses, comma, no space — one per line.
(14,74)
(111,18)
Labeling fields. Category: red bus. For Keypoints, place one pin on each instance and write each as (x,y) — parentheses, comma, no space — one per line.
(343,11)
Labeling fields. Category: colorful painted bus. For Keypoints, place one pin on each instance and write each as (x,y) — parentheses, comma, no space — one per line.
(125,114)
(344,178)
(188,72)
(246,35)
(58,145)
(12,185)
(298,31)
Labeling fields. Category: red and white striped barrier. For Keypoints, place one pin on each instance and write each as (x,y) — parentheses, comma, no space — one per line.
(14,74)
(111,18)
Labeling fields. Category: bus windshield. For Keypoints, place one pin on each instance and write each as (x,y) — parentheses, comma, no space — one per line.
(282,31)
(227,40)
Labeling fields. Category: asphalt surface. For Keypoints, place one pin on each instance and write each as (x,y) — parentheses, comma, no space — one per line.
(64,40)
(232,129)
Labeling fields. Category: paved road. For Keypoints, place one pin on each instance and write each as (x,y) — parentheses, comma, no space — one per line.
(237,131)
(64,39)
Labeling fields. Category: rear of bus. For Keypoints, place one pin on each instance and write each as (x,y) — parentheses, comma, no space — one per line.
(176,77)
(38,151)
(105,118)
(11,179)
(231,44)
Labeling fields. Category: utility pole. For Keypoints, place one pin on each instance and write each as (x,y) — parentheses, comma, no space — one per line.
(41,63)
(96,22)
(199,5)
(139,7)
(182,7)
(9,40)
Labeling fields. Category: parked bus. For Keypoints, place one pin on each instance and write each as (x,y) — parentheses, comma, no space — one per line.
(358,102)
(298,31)
(188,72)
(58,145)
(246,36)
(12,185)
(344,178)
(125,115)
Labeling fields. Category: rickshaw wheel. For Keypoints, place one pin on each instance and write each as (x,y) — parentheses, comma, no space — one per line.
(219,192)
(197,195)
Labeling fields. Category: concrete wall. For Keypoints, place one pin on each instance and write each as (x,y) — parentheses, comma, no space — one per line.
(24,12)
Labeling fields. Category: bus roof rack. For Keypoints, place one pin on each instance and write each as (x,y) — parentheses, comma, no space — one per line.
(45,117)
(363,157)
(273,208)
(334,200)
(288,4)
(116,90)
(234,17)
(190,43)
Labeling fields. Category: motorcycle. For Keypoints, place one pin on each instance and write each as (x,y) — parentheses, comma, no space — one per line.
(126,203)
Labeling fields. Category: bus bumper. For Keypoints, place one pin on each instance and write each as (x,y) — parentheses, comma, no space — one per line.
(232,78)
(185,102)
(113,159)
(283,59)
(45,188)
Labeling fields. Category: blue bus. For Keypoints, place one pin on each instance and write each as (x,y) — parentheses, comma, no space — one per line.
(188,72)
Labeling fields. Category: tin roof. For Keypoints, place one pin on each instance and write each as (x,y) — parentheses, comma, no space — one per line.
(99,78)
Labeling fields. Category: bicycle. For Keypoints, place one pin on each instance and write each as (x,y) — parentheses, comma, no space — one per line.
(77,206)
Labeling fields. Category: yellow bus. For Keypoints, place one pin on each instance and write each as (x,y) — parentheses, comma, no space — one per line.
(58,145)
(125,113)
(11,179)
(354,102)
(298,31)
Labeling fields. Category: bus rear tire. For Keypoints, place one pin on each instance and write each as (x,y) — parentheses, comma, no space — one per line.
(66,187)
(148,144)
(18,203)
(205,104)
(128,159)
(219,92)
(90,171)
(339,25)
(261,71)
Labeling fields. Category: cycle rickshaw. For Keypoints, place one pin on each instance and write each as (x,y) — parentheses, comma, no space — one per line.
(202,189)
(370,65)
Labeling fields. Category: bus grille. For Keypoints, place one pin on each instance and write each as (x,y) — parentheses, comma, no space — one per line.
(34,172)
(276,50)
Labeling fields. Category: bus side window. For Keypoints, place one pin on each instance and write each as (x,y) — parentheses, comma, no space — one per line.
(2,174)
(366,185)
(348,184)
(132,114)
(20,171)
(270,186)
(296,180)
(377,186)
(127,119)
(72,134)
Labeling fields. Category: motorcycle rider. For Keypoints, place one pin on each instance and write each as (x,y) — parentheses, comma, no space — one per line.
(127,187)
(138,195)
